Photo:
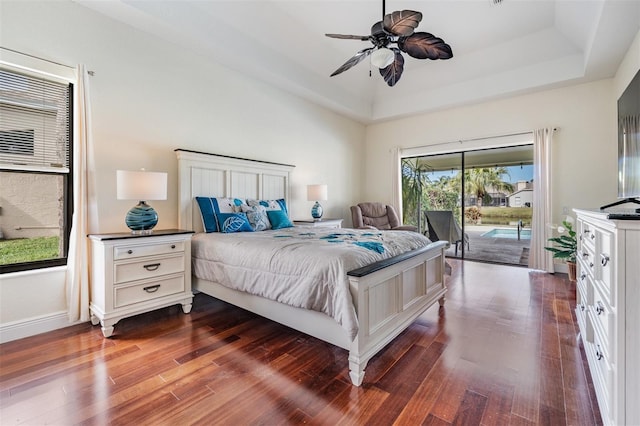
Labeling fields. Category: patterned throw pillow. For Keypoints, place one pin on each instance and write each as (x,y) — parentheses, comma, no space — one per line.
(279,219)
(257,216)
(227,205)
(233,222)
(280,204)
(211,206)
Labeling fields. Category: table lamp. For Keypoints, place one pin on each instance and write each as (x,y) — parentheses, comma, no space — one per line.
(142,186)
(316,193)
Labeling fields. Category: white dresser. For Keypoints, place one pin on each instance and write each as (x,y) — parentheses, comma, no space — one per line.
(608,311)
(132,274)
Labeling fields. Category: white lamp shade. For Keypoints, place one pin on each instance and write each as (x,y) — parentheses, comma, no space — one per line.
(316,192)
(141,185)
(382,57)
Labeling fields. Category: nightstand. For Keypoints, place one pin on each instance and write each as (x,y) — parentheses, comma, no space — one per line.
(132,274)
(325,223)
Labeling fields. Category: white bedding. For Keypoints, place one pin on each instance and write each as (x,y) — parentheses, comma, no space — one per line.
(298,266)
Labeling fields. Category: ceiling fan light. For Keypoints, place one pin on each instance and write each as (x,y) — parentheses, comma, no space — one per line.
(382,57)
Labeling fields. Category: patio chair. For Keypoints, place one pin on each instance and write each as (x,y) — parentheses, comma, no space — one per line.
(442,226)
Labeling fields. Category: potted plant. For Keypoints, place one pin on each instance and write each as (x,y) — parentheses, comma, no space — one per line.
(565,246)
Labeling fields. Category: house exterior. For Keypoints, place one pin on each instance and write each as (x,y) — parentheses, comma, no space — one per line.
(144,106)
(522,196)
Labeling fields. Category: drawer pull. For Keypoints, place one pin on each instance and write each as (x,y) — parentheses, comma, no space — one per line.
(593,236)
(583,276)
(129,251)
(151,266)
(151,288)
(604,259)
(599,354)
(585,254)
(599,308)
(591,265)
(173,246)
(582,307)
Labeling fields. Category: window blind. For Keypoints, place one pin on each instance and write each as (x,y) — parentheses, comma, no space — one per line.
(35,123)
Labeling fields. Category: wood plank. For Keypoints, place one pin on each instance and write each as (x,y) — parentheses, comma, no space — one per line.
(503,350)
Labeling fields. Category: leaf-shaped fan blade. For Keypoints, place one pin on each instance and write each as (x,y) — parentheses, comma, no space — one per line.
(356,59)
(424,45)
(402,22)
(348,37)
(393,72)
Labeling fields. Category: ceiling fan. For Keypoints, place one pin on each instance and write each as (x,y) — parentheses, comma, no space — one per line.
(395,28)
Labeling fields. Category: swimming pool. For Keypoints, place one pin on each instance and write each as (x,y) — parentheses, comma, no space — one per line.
(525,234)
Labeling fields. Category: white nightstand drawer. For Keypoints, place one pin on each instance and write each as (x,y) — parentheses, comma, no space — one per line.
(147,268)
(130,294)
(132,251)
(323,223)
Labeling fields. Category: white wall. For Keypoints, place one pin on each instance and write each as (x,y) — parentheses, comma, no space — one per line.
(150,97)
(584,152)
(628,68)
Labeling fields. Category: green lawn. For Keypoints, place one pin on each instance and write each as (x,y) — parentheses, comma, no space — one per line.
(28,249)
(505,215)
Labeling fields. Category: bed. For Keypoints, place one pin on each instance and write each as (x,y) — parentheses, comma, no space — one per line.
(387,295)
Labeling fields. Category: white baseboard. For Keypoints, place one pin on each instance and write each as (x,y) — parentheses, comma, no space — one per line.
(32,326)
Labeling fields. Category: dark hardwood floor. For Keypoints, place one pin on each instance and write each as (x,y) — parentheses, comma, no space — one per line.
(503,350)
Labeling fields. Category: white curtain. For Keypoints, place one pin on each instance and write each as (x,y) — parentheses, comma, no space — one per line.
(539,258)
(77,276)
(396,190)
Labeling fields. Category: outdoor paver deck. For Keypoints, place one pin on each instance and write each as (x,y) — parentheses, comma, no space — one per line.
(488,249)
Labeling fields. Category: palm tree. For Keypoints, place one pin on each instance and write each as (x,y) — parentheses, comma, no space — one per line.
(479,181)
(414,179)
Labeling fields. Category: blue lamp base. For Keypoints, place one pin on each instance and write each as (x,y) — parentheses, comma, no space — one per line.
(316,211)
(141,218)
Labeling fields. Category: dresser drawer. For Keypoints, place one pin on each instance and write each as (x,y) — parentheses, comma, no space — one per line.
(129,294)
(587,238)
(605,278)
(602,319)
(602,375)
(133,251)
(581,315)
(147,268)
(586,257)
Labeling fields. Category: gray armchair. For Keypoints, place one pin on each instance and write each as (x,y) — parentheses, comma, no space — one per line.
(377,216)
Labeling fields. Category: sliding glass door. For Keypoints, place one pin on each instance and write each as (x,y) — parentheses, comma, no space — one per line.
(480,201)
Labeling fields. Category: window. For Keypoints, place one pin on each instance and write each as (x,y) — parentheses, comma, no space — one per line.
(35,170)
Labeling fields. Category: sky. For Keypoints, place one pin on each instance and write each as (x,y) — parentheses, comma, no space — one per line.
(516,173)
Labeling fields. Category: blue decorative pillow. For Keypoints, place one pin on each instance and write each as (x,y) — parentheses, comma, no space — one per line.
(279,219)
(257,216)
(233,222)
(207,212)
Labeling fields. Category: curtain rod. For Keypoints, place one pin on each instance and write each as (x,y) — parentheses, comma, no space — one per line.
(486,138)
(42,59)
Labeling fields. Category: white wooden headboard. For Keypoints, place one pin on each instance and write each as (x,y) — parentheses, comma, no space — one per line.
(212,175)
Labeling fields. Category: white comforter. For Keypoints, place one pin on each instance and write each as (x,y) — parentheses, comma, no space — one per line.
(301,267)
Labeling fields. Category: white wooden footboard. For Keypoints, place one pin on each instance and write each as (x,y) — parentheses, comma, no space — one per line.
(389,298)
